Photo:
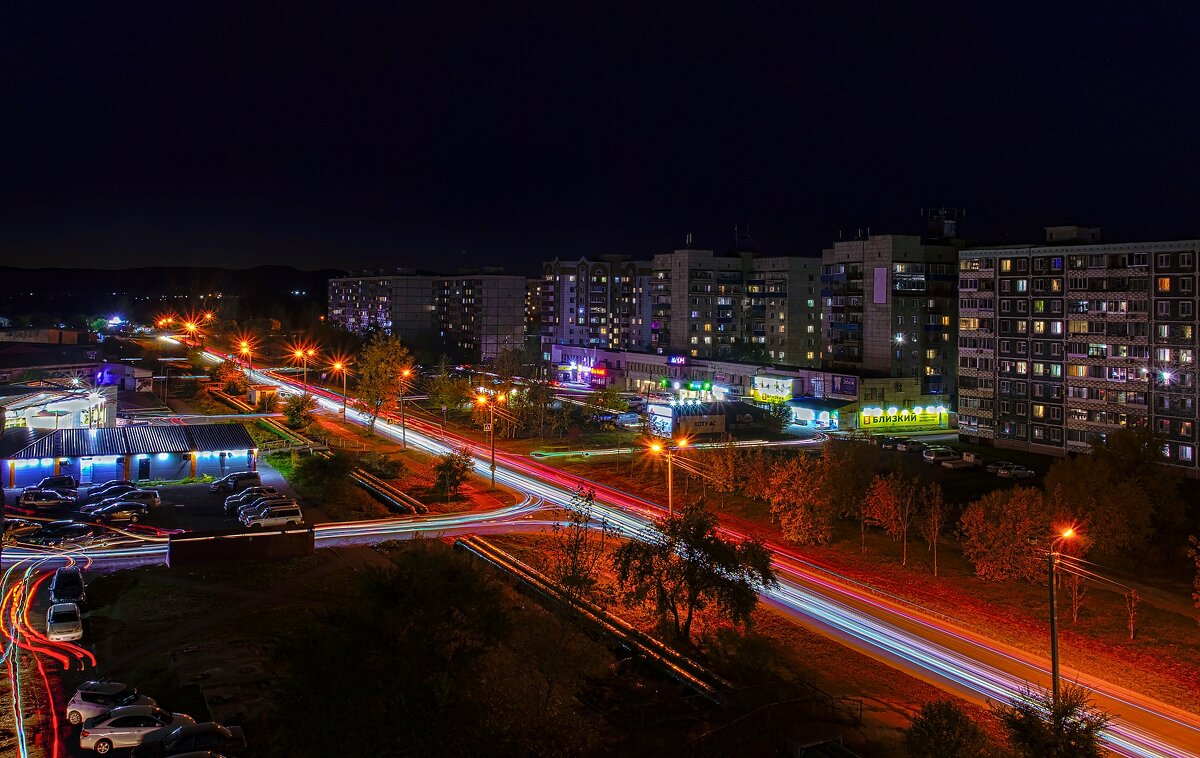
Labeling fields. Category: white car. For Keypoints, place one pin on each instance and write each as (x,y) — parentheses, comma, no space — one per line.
(100,696)
(283,514)
(127,726)
(64,623)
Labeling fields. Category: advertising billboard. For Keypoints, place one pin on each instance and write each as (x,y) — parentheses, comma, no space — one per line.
(695,425)
(902,419)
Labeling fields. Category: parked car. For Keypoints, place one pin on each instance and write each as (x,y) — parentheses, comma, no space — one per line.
(67,586)
(44,499)
(184,740)
(16,528)
(275,514)
(236,481)
(257,505)
(64,623)
(939,454)
(56,533)
(100,696)
(150,497)
(125,510)
(100,489)
(127,726)
(910,446)
(108,493)
(995,466)
(248,495)
(890,443)
(1015,472)
(58,481)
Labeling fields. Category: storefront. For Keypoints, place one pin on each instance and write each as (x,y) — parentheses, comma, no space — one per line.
(909,419)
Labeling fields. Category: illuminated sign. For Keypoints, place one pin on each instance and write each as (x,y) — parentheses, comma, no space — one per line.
(598,371)
(699,386)
(677,360)
(917,417)
(693,425)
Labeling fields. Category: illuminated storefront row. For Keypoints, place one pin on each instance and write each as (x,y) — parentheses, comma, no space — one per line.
(892,418)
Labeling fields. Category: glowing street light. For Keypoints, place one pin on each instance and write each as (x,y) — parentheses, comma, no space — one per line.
(342,369)
(404,374)
(1065,534)
(483,399)
(245,350)
(302,355)
(658,447)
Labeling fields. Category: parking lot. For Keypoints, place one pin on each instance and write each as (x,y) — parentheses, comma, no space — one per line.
(189,507)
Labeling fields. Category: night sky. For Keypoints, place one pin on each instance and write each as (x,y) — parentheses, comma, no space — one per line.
(457,133)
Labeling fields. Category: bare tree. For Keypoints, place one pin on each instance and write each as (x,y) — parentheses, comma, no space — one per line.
(1194,554)
(933,515)
(891,502)
(1132,601)
(1077,593)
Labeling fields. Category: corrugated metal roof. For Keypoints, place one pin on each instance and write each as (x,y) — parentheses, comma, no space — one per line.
(157,439)
(28,444)
(16,439)
(77,442)
(216,437)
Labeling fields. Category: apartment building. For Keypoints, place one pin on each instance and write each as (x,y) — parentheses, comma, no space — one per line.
(472,316)
(891,309)
(601,302)
(736,306)
(1065,342)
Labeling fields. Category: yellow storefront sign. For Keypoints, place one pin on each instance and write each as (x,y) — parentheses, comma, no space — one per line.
(919,417)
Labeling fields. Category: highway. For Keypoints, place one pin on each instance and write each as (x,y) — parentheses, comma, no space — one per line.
(919,642)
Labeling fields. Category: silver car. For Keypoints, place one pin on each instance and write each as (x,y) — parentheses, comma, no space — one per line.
(127,726)
(96,697)
(64,623)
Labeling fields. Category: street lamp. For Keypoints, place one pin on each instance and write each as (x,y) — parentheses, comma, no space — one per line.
(341,368)
(245,350)
(404,374)
(658,447)
(491,406)
(1066,534)
(303,356)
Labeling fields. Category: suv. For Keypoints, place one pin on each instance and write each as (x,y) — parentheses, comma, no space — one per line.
(248,495)
(44,499)
(96,697)
(55,482)
(275,514)
(254,506)
(67,586)
(939,454)
(235,481)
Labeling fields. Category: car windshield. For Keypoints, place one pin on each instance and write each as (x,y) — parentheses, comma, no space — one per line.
(68,582)
(64,616)
(126,696)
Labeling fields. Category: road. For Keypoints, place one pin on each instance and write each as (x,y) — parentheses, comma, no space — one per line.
(909,638)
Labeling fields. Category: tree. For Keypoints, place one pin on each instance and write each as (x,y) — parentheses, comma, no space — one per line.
(1132,601)
(1005,534)
(608,398)
(1194,554)
(777,418)
(508,364)
(1107,503)
(942,729)
(1041,726)
(535,407)
(684,565)
(1136,454)
(452,469)
(799,498)
(1076,594)
(380,368)
(932,515)
(322,476)
(298,410)
(891,502)
(576,557)
(851,464)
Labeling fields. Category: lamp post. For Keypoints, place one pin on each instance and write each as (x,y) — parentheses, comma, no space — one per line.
(340,367)
(303,356)
(245,350)
(404,374)
(1066,534)
(491,406)
(658,447)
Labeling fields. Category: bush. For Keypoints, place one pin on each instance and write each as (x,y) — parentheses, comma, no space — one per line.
(943,730)
(380,465)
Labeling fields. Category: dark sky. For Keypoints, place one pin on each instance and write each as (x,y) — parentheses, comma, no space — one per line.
(449,133)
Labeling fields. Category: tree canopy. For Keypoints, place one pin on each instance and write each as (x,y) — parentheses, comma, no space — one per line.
(379,372)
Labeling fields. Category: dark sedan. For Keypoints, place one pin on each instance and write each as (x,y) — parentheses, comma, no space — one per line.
(193,737)
(56,533)
(125,510)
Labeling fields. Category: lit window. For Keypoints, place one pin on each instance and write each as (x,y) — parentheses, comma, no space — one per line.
(1164,284)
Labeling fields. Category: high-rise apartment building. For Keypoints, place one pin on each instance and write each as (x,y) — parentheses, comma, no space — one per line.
(891,309)
(1065,342)
(472,316)
(707,305)
(601,302)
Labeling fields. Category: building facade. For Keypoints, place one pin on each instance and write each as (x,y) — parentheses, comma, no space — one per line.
(1063,343)
(600,302)
(736,306)
(472,315)
(891,309)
